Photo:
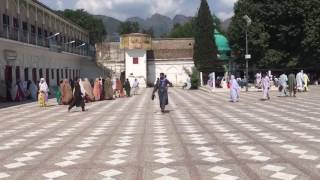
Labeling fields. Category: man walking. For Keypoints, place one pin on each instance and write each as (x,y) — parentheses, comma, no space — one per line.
(283,84)
(306,80)
(300,80)
(127,87)
(266,87)
(292,85)
(135,86)
(162,88)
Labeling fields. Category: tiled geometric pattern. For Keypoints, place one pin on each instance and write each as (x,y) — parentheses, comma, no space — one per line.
(203,136)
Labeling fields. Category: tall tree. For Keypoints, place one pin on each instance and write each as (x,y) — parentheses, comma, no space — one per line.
(205,50)
(96,28)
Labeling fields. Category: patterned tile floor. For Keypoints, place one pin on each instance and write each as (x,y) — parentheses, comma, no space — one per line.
(202,137)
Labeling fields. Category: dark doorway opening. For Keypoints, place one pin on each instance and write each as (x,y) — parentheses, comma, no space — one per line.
(58,77)
(18,73)
(8,81)
(34,75)
(26,74)
(48,76)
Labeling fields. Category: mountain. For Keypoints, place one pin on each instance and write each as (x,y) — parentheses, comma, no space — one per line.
(139,20)
(112,26)
(159,23)
(181,19)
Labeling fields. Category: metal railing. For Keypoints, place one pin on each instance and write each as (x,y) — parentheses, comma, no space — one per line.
(17,34)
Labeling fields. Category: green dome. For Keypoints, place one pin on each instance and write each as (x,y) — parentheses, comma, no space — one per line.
(222,44)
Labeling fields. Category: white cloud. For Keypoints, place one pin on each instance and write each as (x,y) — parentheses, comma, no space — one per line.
(122,9)
(228,3)
(224,15)
(127,8)
(60,4)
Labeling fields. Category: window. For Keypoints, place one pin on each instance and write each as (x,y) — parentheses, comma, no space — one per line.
(135,60)
(5,19)
(61,73)
(25,26)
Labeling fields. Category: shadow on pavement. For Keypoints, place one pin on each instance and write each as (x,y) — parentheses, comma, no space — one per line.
(12,104)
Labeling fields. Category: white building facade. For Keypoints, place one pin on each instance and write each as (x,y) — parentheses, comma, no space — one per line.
(145,58)
(37,43)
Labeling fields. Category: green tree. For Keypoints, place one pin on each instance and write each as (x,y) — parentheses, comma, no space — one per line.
(205,50)
(148,31)
(283,34)
(128,27)
(195,78)
(186,30)
(96,28)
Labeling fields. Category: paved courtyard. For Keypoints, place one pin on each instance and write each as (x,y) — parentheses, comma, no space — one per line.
(202,137)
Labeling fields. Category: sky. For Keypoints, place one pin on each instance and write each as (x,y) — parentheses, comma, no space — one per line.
(123,9)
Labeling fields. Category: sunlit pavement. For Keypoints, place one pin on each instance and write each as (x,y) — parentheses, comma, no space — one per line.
(202,136)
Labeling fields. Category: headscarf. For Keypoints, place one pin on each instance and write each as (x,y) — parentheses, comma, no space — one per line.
(233,83)
(43,86)
(119,85)
(66,92)
(87,87)
(83,91)
(108,91)
(97,90)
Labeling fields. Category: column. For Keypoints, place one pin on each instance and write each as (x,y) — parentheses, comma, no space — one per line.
(6,12)
(36,26)
(19,21)
(28,23)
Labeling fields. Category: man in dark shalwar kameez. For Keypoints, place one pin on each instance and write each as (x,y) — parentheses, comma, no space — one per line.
(127,87)
(162,88)
(77,100)
(292,85)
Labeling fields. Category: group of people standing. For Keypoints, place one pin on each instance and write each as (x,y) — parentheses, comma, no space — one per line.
(288,85)
(77,93)
(20,91)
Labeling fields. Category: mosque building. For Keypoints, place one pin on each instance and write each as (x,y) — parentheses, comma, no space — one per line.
(138,56)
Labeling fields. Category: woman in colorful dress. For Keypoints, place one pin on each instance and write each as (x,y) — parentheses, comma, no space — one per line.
(43,93)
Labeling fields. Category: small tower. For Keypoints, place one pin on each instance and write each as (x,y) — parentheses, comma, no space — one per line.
(135,48)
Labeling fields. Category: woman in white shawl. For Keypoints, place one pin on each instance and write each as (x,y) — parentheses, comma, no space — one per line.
(43,92)
(234,90)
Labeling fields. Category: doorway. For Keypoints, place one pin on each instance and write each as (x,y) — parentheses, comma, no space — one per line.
(34,75)
(8,81)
